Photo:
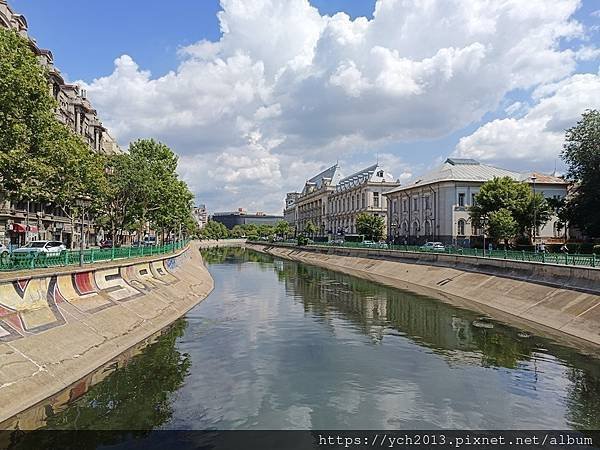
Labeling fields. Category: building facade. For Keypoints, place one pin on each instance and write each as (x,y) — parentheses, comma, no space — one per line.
(290,212)
(435,207)
(24,221)
(332,204)
(200,214)
(240,217)
(361,192)
(313,201)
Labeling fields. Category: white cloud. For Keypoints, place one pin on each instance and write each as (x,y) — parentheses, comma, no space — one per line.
(538,135)
(285,84)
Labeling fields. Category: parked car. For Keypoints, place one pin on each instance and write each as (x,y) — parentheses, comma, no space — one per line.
(39,248)
(337,242)
(374,244)
(108,243)
(433,246)
(149,241)
(3,251)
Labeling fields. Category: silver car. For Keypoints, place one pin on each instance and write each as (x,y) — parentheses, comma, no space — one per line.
(49,248)
(433,246)
(3,251)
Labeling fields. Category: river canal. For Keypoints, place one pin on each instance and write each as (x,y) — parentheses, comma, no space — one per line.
(282,345)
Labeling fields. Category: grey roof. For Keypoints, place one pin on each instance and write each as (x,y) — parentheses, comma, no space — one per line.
(454,169)
(327,173)
(318,180)
(364,176)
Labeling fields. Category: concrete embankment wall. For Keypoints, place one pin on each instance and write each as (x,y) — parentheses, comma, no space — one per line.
(56,327)
(562,302)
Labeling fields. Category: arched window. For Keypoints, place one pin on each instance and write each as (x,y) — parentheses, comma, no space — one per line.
(461,227)
(415,228)
(427,228)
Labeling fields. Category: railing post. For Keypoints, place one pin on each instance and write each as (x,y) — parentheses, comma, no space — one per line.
(543,257)
(523,255)
(92,256)
(66,257)
(129,252)
(593,260)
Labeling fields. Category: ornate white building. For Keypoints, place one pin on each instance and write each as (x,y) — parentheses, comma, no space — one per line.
(332,204)
(313,201)
(435,207)
(361,192)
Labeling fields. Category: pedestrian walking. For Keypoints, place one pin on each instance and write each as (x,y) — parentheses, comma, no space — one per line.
(543,247)
(564,248)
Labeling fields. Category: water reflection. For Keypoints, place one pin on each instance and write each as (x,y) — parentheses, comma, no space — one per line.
(534,368)
(379,311)
(134,397)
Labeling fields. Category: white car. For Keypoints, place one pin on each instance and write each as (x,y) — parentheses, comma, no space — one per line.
(49,248)
(433,246)
(3,251)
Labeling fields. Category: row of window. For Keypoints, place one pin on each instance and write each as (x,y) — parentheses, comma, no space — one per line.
(417,202)
(354,202)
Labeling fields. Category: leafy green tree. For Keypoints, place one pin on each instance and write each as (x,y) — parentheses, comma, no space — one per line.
(251,230)
(78,172)
(214,230)
(310,228)
(154,169)
(265,230)
(581,153)
(501,225)
(117,212)
(283,228)
(515,197)
(26,121)
(373,227)
(237,232)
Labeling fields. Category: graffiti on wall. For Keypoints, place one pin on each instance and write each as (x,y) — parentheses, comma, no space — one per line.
(31,306)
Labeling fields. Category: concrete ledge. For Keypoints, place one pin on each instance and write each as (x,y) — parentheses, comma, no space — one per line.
(585,279)
(562,302)
(58,327)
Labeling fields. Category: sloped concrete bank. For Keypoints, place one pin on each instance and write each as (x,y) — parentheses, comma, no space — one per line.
(57,327)
(563,304)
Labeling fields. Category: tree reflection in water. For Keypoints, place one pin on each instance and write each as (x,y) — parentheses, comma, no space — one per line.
(135,397)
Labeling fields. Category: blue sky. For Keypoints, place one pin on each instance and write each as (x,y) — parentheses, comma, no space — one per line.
(288,89)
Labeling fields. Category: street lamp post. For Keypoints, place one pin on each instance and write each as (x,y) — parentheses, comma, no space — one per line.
(82,202)
(533,178)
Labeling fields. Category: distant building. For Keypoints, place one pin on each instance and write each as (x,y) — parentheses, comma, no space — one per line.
(435,207)
(290,212)
(240,217)
(200,215)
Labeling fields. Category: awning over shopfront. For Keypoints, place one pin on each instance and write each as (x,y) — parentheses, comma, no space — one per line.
(22,228)
(18,228)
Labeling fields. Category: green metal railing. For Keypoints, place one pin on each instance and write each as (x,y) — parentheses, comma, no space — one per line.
(23,261)
(571,259)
